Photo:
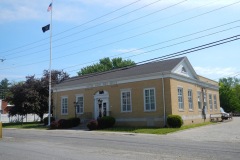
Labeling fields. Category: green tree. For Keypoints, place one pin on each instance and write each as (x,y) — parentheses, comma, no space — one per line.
(31,96)
(106,64)
(4,86)
(229,89)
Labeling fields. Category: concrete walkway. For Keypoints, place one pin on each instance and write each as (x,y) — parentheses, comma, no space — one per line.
(228,131)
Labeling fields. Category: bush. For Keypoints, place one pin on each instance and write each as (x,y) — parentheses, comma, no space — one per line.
(174,121)
(45,120)
(74,121)
(106,122)
(64,124)
(92,125)
(54,125)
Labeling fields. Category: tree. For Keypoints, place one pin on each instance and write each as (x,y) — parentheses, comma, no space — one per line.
(4,85)
(106,64)
(57,76)
(229,89)
(31,96)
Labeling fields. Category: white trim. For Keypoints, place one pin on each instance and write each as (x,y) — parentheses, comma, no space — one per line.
(155,105)
(63,97)
(105,98)
(211,101)
(180,109)
(215,95)
(131,79)
(76,98)
(190,109)
(122,91)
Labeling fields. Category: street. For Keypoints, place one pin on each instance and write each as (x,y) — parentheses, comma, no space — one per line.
(219,141)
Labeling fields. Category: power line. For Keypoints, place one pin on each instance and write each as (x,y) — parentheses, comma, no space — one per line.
(75,26)
(168,56)
(70,42)
(166,42)
(146,46)
(137,35)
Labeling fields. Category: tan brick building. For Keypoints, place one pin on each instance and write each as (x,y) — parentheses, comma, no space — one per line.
(142,95)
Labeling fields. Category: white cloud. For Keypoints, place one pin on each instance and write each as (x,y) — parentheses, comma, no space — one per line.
(216,72)
(16,10)
(72,10)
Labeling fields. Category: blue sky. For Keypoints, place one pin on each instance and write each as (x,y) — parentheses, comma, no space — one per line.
(85,31)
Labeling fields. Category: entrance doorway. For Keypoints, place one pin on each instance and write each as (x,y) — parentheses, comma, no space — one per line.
(101,104)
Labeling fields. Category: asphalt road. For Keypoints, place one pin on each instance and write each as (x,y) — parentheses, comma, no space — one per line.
(220,141)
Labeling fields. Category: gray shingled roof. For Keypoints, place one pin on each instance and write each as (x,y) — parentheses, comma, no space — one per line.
(148,68)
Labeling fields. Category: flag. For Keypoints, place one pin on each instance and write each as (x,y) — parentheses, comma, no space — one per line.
(46,28)
(49,7)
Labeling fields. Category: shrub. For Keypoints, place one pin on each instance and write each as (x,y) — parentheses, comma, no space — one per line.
(64,124)
(45,120)
(92,125)
(174,121)
(106,122)
(54,125)
(74,121)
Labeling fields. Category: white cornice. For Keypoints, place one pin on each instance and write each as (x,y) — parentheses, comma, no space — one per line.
(135,79)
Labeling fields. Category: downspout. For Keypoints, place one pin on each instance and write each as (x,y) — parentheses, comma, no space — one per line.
(55,106)
(164,106)
(204,107)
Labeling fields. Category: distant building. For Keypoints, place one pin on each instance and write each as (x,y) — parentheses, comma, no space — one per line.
(143,95)
(5,107)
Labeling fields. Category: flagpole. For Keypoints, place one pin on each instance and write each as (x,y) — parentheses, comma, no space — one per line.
(50,73)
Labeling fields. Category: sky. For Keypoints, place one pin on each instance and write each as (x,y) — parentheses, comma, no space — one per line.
(85,31)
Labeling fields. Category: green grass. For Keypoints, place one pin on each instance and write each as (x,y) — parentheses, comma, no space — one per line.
(148,130)
(25,125)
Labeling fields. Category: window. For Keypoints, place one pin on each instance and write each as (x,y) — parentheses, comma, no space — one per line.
(210,101)
(64,105)
(215,101)
(190,99)
(126,105)
(180,98)
(205,100)
(149,99)
(79,104)
(199,98)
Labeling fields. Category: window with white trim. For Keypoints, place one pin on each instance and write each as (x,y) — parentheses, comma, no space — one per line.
(64,105)
(199,98)
(205,100)
(149,99)
(190,99)
(210,101)
(79,104)
(215,101)
(180,98)
(126,104)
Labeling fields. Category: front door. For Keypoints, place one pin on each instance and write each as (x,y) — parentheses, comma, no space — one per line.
(101,104)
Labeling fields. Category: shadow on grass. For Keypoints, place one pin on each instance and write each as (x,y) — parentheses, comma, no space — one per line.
(25,125)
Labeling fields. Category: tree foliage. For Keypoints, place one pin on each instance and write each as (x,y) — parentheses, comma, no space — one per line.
(4,86)
(106,64)
(31,96)
(230,94)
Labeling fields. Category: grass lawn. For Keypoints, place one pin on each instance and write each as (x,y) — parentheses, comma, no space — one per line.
(25,125)
(148,130)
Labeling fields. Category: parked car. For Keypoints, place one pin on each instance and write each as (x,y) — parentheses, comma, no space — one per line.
(224,114)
